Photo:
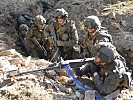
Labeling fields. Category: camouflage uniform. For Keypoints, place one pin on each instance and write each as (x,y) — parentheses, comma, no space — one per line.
(23,29)
(66,37)
(35,40)
(101,34)
(114,73)
(23,23)
(111,75)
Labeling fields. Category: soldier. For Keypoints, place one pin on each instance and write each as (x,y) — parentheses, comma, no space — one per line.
(23,29)
(35,40)
(93,34)
(109,70)
(62,34)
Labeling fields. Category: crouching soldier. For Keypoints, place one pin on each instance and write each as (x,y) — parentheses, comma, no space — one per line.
(35,40)
(92,33)
(109,70)
(23,29)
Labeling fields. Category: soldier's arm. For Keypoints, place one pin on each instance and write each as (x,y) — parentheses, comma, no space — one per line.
(108,85)
(34,40)
(30,36)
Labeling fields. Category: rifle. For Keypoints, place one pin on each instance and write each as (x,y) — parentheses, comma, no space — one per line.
(39,46)
(81,44)
(51,66)
(55,41)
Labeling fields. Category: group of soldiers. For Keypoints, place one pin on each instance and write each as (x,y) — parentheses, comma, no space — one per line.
(59,38)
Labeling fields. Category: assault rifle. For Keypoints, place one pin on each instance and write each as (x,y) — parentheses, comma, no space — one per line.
(48,67)
(39,46)
(53,32)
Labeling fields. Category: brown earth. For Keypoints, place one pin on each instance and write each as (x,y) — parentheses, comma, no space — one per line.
(116,15)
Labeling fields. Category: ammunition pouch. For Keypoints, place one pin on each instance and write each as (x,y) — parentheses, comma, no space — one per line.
(65,37)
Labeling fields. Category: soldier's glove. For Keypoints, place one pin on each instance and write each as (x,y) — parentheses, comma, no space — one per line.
(60,43)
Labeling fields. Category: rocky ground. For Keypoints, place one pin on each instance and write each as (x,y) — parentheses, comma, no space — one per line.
(115,15)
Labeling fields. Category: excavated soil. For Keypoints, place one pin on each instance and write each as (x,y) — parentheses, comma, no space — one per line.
(116,15)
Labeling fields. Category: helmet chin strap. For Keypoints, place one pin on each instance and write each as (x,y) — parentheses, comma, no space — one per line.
(92,34)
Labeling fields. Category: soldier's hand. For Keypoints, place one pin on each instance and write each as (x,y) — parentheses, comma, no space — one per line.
(94,68)
(60,43)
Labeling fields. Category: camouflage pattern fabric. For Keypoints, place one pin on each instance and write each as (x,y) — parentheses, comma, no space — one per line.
(66,36)
(111,76)
(33,36)
(88,42)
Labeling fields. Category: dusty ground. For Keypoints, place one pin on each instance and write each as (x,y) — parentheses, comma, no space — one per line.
(115,15)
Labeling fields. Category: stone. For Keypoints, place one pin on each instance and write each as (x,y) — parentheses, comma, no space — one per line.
(112,95)
(62,87)
(81,97)
(27,61)
(65,80)
(52,72)
(7,52)
(131,48)
(63,72)
(77,94)
(89,95)
(69,91)
(112,15)
(124,23)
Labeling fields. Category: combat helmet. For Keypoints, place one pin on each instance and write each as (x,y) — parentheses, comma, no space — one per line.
(92,22)
(39,19)
(60,12)
(13,13)
(105,51)
(23,27)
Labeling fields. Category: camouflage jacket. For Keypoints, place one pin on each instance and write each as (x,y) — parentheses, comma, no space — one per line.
(100,36)
(66,33)
(34,35)
(111,76)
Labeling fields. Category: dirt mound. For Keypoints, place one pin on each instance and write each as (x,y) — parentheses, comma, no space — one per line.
(115,15)
(40,85)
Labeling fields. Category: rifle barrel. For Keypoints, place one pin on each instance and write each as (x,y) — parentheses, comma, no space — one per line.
(48,67)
